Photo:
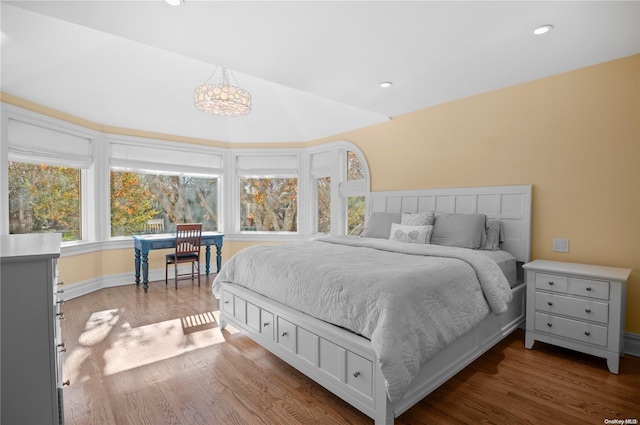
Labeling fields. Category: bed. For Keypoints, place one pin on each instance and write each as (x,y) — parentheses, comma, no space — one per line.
(366,366)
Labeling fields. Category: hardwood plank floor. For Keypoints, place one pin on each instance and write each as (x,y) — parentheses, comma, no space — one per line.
(160,358)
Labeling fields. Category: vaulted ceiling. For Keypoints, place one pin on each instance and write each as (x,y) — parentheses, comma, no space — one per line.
(312,67)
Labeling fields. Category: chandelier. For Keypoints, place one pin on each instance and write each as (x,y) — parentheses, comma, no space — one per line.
(222,99)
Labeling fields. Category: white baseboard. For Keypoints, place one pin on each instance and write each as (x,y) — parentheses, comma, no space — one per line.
(109,281)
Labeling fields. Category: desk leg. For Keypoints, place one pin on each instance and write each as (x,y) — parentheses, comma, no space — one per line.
(207,256)
(137,263)
(218,258)
(145,271)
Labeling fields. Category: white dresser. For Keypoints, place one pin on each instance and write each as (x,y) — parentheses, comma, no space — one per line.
(577,306)
(30,379)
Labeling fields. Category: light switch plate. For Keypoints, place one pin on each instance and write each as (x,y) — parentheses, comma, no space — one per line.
(561,245)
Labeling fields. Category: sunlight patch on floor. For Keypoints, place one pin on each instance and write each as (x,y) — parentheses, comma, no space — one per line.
(130,347)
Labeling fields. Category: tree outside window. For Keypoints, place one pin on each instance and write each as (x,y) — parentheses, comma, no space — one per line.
(355,204)
(44,198)
(147,203)
(269,204)
(324,205)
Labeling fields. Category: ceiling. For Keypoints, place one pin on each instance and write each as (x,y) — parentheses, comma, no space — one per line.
(313,67)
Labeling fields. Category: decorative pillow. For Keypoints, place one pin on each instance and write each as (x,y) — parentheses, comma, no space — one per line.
(418,219)
(410,234)
(379,225)
(493,235)
(461,230)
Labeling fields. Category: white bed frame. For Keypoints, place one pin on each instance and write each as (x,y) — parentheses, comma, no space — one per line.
(345,363)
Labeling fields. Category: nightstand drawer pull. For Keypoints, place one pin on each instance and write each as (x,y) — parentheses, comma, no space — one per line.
(588,310)
(356,374)
(284,334)
(551,282)
(588,288)
(587,333)
(550,303)
(265,324)
(549,324)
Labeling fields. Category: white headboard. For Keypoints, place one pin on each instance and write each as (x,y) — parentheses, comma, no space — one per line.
(510,204)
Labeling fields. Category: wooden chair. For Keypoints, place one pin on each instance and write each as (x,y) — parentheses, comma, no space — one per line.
(154,226)
(188,241)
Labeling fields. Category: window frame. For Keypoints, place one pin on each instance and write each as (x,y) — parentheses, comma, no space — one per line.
(87,169)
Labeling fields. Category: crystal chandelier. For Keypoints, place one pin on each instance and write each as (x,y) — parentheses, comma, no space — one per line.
(222,99)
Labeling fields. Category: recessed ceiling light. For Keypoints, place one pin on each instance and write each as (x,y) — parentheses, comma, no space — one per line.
(385,84)
(174,3)
(542,29)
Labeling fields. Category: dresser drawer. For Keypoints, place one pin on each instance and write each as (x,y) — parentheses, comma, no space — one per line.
(551,282)
(227,302)
(574,329)
(578,308)
(589,288)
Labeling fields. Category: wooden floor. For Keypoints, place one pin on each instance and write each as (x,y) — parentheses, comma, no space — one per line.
(160,358)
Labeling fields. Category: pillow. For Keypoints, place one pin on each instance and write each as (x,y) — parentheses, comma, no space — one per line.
(493,235)
(379,225)
(461,230)
(419,219)
(410,234)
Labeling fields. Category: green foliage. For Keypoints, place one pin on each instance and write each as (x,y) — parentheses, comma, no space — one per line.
(137,198)
(355,210)
(44,198)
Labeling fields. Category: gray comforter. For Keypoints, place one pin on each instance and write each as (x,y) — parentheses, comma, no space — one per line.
(409,300)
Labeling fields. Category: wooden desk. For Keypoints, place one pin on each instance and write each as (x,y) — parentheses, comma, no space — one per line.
(145,243)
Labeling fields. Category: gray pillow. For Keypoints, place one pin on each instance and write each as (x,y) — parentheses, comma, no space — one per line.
(379,225)
(461,230)
(493,235)
(418,219)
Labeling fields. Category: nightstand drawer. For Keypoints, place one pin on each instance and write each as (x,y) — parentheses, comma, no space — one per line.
(574,329)
(594,311)
(589,288)
(551,282)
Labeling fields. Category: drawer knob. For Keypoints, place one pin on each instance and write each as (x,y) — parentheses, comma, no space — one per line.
(549,324)
(226,302)
(549,302)
(551,282)
(588,288)
(588,310)
(587,333)
(60,315)
(60,291)
(356,374)
(284,334)
(265,324)
(66,383)
(63,349)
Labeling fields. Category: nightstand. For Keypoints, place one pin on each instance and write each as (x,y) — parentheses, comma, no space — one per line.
(577,306)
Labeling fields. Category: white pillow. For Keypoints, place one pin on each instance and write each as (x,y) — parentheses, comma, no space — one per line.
(419,219)
(410,234)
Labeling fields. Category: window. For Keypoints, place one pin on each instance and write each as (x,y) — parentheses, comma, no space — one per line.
(44,198)
(267,194)
(269,204)
(355,201)
(47,169)
(155,202)
(155,185)
(324,205)
(355,215)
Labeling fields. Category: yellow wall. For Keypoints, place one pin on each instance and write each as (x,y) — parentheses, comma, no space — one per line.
(575,137)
